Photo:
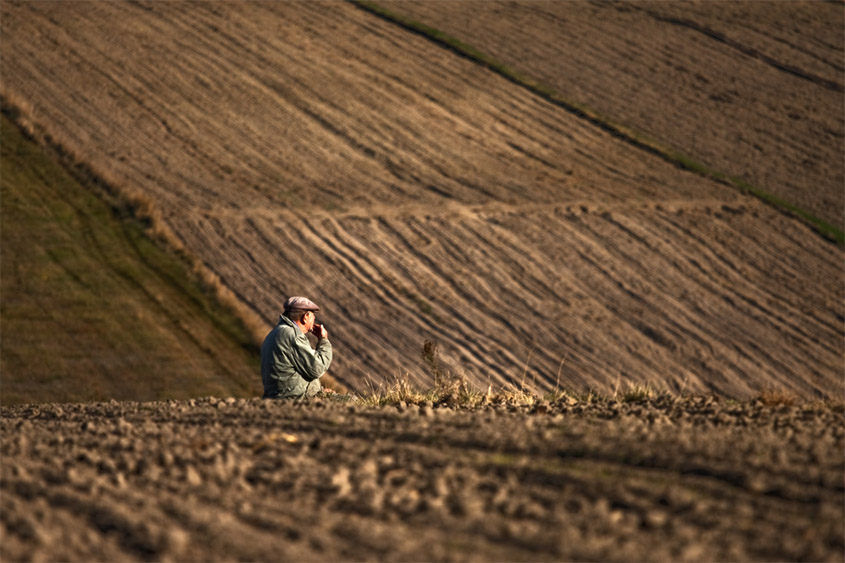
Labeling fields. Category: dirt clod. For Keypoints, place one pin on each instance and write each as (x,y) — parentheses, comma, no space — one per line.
(714,480)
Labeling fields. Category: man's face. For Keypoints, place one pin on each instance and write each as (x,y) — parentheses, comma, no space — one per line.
(309,319)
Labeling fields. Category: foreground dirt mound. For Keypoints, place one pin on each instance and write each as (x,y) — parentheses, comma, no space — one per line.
(213,479)
(314,148)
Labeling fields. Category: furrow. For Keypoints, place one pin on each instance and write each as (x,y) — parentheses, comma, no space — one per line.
(455,306)
(455,303)
(614,288)
(741,292)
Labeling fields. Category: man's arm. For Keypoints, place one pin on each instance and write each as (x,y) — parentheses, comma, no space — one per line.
(310,363)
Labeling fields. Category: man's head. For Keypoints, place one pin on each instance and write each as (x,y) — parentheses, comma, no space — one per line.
(301,311)
(301,304)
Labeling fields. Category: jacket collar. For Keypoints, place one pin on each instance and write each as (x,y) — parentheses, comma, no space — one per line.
(283,320)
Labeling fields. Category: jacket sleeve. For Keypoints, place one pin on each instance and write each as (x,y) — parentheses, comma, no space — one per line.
(307,362)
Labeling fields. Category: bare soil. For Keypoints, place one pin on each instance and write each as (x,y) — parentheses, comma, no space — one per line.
(752,89)
(316,149)
(681,479)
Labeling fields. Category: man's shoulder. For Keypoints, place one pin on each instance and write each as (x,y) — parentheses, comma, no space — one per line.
(287,331)
(282,331)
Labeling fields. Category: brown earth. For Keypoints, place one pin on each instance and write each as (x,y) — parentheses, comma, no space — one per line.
(752,89)
(310,148)
(668,479)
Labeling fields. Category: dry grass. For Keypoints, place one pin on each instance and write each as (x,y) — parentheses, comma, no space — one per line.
(777,397)
(454,390)
(637,393)
(448,388)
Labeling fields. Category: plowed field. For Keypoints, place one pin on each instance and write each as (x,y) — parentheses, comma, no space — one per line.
(753,89)
(316,149)
(249,480)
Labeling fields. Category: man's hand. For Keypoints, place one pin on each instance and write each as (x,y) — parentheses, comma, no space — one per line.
(320,331)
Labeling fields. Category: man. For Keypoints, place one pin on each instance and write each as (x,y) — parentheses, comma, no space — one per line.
(290,367)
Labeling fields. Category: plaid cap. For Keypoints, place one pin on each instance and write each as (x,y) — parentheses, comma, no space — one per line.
(301,303)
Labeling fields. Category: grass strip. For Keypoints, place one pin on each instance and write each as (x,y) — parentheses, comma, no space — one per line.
(93,308)
(455,391)
(605,123)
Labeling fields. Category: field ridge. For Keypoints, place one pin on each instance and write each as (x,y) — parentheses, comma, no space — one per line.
(633,137)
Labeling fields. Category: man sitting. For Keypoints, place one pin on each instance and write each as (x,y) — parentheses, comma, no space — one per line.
(290,367)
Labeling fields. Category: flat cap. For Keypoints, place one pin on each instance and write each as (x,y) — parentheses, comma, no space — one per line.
(301,303)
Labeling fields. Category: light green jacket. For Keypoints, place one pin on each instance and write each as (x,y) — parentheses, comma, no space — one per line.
(290,367)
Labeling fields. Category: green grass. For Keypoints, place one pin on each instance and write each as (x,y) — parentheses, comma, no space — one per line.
(465,50)
(91,307)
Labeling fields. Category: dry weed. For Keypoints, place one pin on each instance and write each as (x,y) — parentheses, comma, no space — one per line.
(777,397)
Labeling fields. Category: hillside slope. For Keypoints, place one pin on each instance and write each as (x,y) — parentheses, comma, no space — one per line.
(316,149)
(91,309)
(752,89)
